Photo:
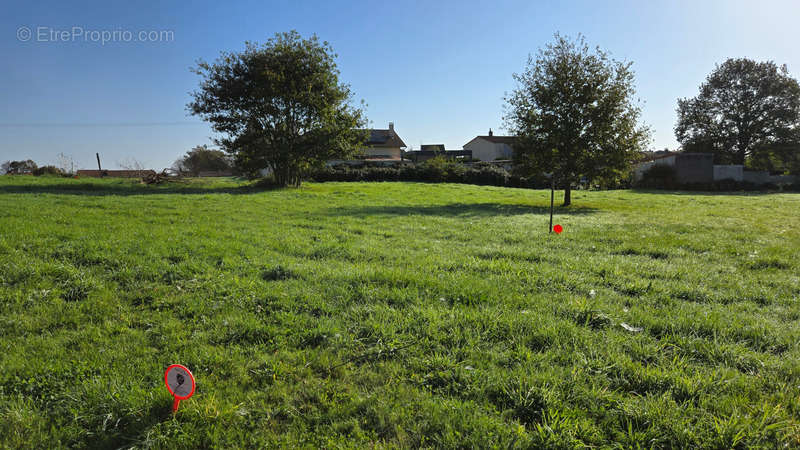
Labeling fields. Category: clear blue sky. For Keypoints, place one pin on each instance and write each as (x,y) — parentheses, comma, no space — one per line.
(438,69)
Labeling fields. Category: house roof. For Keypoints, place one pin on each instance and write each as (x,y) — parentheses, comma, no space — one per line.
(508,140)
(439,152)
(384,138)
(499,139)
(652,156)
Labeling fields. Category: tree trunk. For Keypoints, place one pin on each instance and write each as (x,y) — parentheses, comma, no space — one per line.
(281,174)
(277,174)
(287,175)
(567,194)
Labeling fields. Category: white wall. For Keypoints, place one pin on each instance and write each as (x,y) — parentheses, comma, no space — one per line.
(488,151)
(389,152)
(728,172)
(506,152)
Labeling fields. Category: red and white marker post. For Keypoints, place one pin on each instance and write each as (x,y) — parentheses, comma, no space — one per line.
(180,383)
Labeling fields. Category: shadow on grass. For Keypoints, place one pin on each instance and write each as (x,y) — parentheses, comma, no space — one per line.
(457,209)
(133,434)
(96,189)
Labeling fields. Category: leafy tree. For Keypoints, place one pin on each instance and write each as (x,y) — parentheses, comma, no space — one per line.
(203,159)
(573,114)
(19,167)
(280,106)
(746,112)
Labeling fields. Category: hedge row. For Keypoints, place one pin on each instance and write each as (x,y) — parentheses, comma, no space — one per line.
(427,172)
(47,170)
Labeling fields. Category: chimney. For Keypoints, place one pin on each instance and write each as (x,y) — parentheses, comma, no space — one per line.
(391,126)
(490,132)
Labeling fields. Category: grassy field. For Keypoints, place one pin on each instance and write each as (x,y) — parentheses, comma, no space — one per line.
(396,314)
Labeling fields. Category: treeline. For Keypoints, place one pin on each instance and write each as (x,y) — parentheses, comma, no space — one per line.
(29,167)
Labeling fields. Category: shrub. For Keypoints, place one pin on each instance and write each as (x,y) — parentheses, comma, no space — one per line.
(727,184)
(47,170)
(487,175)
(440,169)
(203,159)
(660,176)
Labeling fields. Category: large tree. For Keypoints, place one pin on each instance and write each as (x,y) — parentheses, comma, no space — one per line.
(746,112)
(279,106)
(574,114)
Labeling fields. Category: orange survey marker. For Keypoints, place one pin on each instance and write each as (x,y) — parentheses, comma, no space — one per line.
(180,383)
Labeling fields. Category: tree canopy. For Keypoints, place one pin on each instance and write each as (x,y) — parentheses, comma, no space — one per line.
(747,112)
(18,167)
(280,106)
(203,159)
(574,115)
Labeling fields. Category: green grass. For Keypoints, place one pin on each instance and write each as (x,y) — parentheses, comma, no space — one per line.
(396,314)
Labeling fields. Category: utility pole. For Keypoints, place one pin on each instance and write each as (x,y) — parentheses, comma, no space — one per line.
(98,162)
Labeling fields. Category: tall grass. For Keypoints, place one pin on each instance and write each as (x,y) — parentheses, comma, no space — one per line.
(397,314)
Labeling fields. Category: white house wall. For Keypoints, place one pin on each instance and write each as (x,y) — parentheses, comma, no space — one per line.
(488,151)
(385,152)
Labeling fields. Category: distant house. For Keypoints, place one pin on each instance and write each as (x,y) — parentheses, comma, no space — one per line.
(491,147)
(689,167)
(383,145)
(430,151)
